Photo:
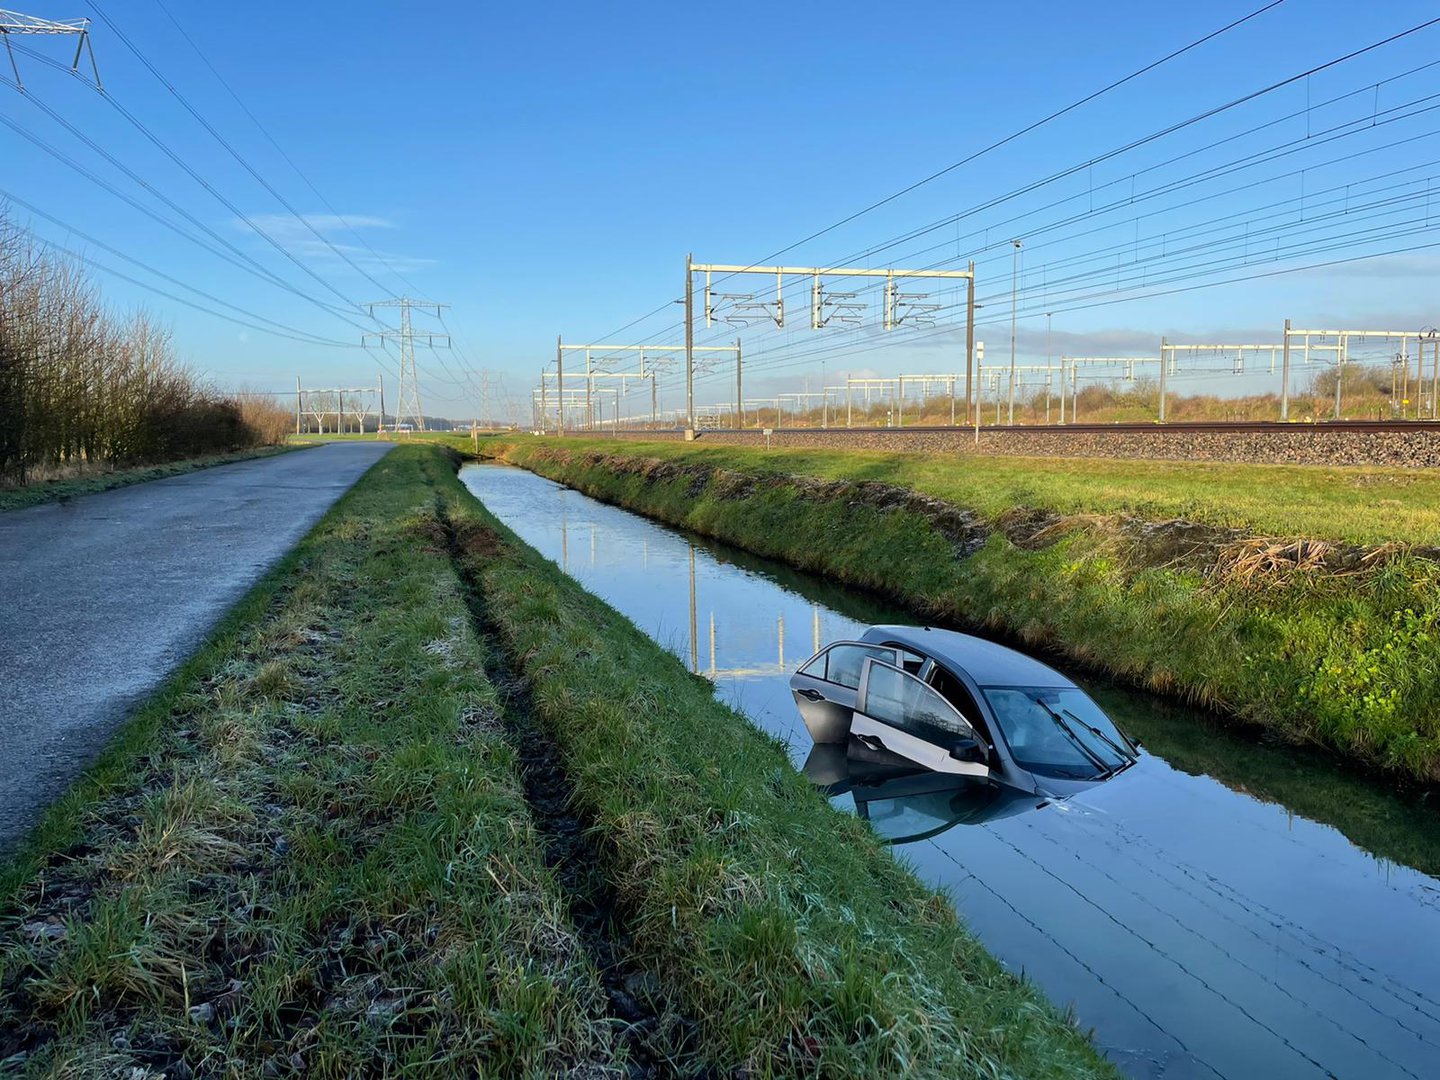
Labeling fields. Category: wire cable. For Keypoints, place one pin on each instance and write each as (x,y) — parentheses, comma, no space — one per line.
(240,158)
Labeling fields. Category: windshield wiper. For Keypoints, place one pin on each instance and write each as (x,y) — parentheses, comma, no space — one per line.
(1106,770)
(1125,755)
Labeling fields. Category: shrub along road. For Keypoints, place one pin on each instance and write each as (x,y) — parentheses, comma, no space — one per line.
(103,596)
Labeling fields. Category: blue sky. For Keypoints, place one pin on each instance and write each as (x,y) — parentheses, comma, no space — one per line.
(545,169)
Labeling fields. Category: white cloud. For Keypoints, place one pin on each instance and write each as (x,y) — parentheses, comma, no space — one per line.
(297,234)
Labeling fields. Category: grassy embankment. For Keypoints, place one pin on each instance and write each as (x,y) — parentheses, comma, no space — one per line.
(1330,641)
(89,481)
(425,807)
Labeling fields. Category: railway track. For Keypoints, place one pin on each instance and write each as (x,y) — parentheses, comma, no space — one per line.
(1202,427)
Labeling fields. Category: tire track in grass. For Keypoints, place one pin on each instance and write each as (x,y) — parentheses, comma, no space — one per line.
(660,1042)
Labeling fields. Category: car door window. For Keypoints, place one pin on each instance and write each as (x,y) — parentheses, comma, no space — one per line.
(903,701)
(953,691)
(910,662)
(842,662)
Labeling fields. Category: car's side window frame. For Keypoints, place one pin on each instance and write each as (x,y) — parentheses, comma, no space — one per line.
(824,676)
(970,708)
(862,697)
(976,715)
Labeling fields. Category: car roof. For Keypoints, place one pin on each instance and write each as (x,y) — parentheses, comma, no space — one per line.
(984,661)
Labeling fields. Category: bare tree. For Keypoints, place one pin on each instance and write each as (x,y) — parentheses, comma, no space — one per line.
(81,386)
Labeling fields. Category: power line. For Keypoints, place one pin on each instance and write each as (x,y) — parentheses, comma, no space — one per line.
(185,102)
(245,219)
(969,158)
(238,258)
(410,399)
(282,329)
(85,259)
(170,153)
(281,150)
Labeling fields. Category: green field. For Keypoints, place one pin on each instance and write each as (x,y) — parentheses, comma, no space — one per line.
(1356,505)
(1315,644)
(424,807)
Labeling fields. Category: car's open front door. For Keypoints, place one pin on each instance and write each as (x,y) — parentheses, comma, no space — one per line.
(897,712)
(826,685)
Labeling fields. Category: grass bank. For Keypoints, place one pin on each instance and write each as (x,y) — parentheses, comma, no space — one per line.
(424,807)
(1355,505)
(312,854)
(1321,642)
(75,482)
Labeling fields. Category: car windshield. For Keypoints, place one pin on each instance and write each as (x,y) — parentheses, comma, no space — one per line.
(1059,732)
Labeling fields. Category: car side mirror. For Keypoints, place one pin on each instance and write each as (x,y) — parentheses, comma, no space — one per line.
(968,749)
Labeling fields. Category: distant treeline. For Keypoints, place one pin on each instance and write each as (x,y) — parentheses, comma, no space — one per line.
(81,386)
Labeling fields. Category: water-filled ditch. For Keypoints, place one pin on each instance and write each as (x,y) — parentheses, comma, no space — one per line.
(1210,912)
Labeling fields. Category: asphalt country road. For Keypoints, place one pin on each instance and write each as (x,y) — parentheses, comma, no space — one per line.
(103,596)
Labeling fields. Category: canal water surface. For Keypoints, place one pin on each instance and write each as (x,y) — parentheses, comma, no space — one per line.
(1200,931)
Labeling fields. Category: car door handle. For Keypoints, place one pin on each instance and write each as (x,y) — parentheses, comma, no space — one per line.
(811,695)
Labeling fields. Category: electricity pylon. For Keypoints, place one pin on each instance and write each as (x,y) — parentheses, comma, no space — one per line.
(13,23)
(407,405)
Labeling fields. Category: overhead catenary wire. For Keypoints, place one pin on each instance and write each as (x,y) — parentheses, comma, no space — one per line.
(1027,129)
(832,350)
(861,348)
(1213,172)
(1133,144)
(1304,199)
(1056,114)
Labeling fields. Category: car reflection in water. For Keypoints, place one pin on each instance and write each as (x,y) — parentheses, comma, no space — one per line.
(1001,726)
(904,804)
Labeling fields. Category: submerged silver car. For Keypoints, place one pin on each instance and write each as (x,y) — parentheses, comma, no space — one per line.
(959,704)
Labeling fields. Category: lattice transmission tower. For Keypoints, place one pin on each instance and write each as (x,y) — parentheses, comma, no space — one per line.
(14,24)
(407,405)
